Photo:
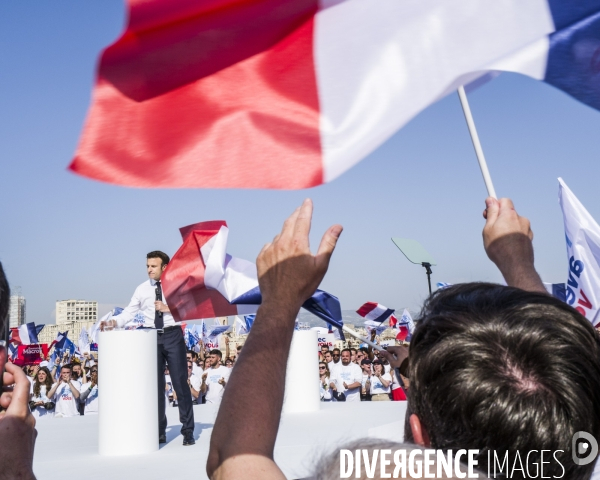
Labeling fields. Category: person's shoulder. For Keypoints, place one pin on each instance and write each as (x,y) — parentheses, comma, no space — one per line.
(145,284)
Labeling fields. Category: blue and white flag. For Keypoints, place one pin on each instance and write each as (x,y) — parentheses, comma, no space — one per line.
(60,340)
(582,235)
(13,351)
(371,325)
(442,285)
(28,334)
(214,331)
(84,341)
(243,326)
(407,320)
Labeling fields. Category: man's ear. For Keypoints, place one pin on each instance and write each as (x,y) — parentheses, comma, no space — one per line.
(420,435)
(162,268)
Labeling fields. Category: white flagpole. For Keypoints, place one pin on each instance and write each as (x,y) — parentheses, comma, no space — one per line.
(476,143)
(357,335)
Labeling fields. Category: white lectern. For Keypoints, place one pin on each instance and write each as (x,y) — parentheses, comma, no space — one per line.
(128,403)
(302,393)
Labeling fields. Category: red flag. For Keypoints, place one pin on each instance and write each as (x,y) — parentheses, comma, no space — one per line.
(14,336)
(31,354)
(192,95)
(402,333)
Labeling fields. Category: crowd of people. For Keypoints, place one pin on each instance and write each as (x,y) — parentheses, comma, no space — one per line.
(491,368)
(69,387)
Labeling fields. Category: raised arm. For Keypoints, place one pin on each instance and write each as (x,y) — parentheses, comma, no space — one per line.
(288,274)
(507,239)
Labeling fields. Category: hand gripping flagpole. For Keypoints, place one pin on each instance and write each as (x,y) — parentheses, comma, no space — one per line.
(476,143)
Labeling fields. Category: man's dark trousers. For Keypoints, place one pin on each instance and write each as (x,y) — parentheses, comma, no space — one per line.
(171,349)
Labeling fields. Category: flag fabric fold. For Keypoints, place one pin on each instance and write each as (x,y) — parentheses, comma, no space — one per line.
(203,281)
(582,234)
(310,87)
(375,311)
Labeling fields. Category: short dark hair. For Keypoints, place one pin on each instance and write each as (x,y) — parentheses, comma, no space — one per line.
(192,353)
(336,349)
(158,254)
(365,350)
(4,303)
(500,369)
(67,366)
(217,352)
(346,350)
(354,350)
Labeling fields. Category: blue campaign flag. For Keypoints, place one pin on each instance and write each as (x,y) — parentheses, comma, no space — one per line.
(249,319)
(39,328)
(60,340)
(215,330)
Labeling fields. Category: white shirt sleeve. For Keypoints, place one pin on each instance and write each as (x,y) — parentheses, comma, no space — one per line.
(130,310)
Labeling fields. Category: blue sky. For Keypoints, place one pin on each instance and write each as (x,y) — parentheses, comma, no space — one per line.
(63,236)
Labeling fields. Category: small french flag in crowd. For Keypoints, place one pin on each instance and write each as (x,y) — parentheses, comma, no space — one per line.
(28,334)
(375,311)
(310,87)
(203,281)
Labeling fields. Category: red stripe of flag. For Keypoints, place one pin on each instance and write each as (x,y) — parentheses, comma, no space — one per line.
(171,108)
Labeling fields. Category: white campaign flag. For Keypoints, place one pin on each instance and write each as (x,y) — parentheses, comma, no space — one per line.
(583,252)
(84,341)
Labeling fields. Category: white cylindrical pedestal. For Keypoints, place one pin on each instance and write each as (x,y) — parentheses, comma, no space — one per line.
(128,408)
(302,377)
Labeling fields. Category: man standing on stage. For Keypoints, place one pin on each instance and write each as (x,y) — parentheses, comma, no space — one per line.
(171,349)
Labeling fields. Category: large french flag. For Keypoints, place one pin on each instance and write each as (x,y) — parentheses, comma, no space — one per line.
(28,334)
(203,281)
(375,311)
(273,94)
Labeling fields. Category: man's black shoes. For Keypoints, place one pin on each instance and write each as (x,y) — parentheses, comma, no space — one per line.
(162,438)
(188,438)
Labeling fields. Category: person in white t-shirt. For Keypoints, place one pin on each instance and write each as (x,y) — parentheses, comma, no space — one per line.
(214,378)
(193,357)
(194,382)
(335,364)
(65,393)
(39,403)
(349,377)
(89,393)
(380,383)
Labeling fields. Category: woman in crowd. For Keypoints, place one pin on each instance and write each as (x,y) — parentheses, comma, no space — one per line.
(89,393)
(365,388)
(380,383)
(229,362)
(324,382)
(39,402)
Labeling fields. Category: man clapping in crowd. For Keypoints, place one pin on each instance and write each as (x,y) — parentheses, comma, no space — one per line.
(66,391)
(214,378)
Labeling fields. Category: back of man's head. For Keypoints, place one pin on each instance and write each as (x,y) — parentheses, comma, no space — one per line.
(501,369)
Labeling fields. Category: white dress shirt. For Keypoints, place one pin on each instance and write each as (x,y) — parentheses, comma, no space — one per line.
(143,301)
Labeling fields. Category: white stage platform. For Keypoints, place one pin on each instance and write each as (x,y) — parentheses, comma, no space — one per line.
(69,446)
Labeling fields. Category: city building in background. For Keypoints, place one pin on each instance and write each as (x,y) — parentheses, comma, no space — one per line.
(76,310)
(17,310)
(71,317)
